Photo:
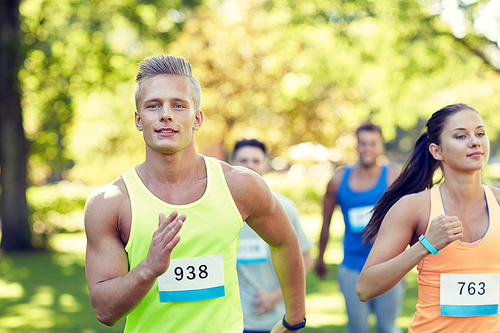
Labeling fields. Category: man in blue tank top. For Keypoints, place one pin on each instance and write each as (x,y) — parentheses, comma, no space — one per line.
(356,189)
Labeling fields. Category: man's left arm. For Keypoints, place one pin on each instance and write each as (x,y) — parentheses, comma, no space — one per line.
(266,216)
(272,224)
(305,243)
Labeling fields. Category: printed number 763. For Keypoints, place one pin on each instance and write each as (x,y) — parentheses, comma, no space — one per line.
(472,288)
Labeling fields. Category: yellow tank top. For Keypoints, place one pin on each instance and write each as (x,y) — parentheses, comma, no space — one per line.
(459,287)
(199,292)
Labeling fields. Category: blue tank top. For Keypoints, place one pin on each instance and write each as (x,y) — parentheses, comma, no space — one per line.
(357,210)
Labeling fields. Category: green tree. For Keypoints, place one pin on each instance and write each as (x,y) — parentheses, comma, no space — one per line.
(298,71)
(70,52)
(307,71)
(13,144)
(285,71)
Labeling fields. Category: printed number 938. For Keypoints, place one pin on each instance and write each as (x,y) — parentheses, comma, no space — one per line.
(191,272)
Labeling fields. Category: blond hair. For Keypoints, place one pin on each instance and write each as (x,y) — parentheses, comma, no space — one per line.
(167,65)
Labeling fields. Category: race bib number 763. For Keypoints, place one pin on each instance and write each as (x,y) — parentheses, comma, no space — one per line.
(469,295)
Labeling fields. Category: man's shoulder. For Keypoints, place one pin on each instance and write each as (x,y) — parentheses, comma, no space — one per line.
(392,168)
(340,172)
(249,191)
(336,180)
(106,210)
(393,172)
(111,194)
(237,175)
(243,183)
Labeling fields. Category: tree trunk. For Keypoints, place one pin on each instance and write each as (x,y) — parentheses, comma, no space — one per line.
(16,234)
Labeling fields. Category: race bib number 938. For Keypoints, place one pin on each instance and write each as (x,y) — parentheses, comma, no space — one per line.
(192,279)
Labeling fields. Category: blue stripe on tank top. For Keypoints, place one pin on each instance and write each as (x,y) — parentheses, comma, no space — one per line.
(192,295)
(468,310)
(251,261)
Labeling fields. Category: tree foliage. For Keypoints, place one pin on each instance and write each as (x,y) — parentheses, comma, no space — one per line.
(71,53)
(287,72)
(81,59)
(291,72)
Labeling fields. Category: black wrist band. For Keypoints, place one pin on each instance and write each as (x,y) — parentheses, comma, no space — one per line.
(294,327)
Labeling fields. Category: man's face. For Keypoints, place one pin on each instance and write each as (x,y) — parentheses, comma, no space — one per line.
(166,114)
(370,147)
(252,158)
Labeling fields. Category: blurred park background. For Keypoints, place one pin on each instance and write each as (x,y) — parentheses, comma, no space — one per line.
(299,75)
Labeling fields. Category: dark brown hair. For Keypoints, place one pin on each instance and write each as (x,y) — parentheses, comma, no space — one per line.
(370,127)
(251,143)
(418,172)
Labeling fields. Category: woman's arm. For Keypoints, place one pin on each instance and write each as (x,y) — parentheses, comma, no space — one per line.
(388,261)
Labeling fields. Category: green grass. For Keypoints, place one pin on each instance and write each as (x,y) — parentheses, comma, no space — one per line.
(46,291)
(326,308)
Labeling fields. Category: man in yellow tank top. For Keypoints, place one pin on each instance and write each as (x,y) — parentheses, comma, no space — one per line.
(162,238)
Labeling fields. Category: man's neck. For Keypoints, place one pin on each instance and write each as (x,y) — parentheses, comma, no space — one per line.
(363,178)
(172,168)
(367,171)
(177,179)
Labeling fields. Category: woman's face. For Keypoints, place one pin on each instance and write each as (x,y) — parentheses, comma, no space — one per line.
(464,144)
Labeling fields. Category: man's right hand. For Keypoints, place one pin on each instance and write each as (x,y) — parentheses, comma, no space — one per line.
(165,238)
(320,268)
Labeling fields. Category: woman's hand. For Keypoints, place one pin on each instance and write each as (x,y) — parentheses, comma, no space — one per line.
(443,231)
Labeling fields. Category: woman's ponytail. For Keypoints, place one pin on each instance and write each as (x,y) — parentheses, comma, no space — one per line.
(416,176)
(418,172)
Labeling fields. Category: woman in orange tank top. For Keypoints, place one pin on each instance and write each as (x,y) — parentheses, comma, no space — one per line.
(453,229)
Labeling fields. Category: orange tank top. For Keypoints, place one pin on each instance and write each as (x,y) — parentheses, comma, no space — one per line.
(458,289)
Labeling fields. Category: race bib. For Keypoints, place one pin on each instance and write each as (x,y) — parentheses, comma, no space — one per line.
(469,295)
(359,217)
(252,251)
(192,279)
